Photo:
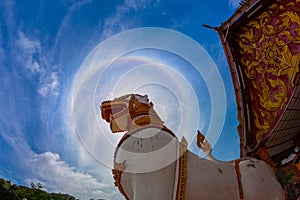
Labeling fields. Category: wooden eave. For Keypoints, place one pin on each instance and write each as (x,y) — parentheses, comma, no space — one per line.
(242,98)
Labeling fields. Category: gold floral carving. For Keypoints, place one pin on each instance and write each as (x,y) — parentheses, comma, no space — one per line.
(182,176)
(117,174)
(269,57)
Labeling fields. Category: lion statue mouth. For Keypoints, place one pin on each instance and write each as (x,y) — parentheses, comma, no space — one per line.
(124,112)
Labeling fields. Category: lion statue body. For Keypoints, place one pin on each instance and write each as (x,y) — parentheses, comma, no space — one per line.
(151,163)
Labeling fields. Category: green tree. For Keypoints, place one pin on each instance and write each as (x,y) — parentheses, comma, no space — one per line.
(32,185)
(36,192)
(6,192)
(39,186)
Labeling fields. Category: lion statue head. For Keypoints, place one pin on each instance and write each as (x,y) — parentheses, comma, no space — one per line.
(128,112)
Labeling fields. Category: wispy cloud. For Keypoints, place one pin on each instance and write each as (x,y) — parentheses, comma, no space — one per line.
(30,55)
(8,14)
(116,23)
(233,3)
(78,4)
(50,84)
(67,16)
(2,52)
(142,4)
(28,49)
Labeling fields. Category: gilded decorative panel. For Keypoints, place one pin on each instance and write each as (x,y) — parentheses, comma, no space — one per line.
(268,50)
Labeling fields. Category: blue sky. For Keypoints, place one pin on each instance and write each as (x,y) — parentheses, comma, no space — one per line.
(44,48)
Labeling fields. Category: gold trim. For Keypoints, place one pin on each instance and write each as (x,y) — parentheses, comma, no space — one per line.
(182,176)
(117,174)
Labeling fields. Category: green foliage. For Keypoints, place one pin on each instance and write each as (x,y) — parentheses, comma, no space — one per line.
(32,193)
(36,192)
(59,196)
(6,193)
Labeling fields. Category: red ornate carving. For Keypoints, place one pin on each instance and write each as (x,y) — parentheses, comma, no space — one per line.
(268,48)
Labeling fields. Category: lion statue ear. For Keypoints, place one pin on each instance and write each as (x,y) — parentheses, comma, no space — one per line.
(134,104)
(136,101)
(145,98)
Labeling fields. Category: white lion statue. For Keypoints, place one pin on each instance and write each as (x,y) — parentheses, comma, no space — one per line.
(151,163)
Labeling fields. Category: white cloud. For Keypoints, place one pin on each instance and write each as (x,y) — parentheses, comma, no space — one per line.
(52,172)
(27,44)
(57,176)
(49,84)
(28,49)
